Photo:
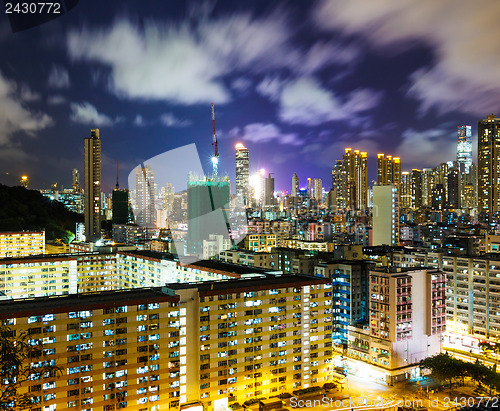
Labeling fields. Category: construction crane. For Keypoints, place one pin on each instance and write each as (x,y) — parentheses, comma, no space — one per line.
(215,158)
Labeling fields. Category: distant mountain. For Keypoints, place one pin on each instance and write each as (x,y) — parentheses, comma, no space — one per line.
(22,209)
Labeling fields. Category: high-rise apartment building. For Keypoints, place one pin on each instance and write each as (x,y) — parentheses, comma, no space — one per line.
(207,210)
(388,170)
(454,192)
(407,318)
(21,243)
(356,173)
(92,171)
(242,173)
(416,188)
(257,184)
(160,348)
(428,184)
(295,185)
(350,286)
(145,197)
(339,184)
(385,215)
(464,148)
(317,189)
(473,295)
(488,165)
(405,196)
(438,201)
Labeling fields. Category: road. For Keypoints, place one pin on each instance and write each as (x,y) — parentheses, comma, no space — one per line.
(360,393)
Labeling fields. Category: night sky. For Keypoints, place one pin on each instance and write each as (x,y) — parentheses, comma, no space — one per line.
(295,81)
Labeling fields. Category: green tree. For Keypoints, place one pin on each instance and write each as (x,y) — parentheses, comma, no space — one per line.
(444,367)
(20,362)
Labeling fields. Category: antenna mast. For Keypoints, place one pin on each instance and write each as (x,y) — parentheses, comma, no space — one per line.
(215,158)
(117,167)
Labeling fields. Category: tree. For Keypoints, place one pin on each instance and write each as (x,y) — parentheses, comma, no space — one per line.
(444,367)
(20,362)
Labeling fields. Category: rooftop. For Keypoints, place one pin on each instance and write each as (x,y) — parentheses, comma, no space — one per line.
(269,282)
(158,255)
(84,301)
(95,300)
(230,268)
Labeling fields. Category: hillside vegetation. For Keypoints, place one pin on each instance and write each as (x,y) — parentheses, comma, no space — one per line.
(22,209)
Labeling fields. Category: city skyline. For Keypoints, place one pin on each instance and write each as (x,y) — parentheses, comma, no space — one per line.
(294,84)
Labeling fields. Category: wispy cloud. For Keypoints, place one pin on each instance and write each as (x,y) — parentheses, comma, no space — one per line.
(264,133)
(463,36)
(139,121)
(201,57)
(241,84)
(304,101)
(144,61)
(86,113)
(169,120)
(28,95)
(15,116)
(428,148)
(56,100)
(59,77)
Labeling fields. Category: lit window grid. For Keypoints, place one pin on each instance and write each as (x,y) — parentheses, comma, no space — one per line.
(93,369)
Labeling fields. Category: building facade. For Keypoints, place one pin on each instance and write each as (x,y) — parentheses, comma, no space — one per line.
(407,319)
(160,348)
(356,174)
(145,197)
(295,185)
(488,165)
(388,170)
(464,148)
(21,243)
(92,174)
(242,173)
(207,211)
(385,215)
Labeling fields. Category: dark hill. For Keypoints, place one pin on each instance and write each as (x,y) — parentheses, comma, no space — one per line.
(22,209)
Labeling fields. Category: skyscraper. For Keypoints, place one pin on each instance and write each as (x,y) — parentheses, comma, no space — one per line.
(145,195)
(309,187)
(76,181)
(356,173)
(388,170)
(119,201)
(295,185)
(464,148)
(92,172)
(269,190)
(242,177)
(257,184)
(488,173)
